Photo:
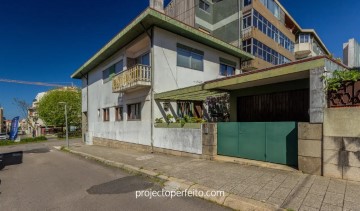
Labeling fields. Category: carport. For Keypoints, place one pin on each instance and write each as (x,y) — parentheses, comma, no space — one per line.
(265,107)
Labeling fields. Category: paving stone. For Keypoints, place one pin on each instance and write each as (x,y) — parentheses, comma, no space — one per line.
(239,189)
(272,185)
(318,190)
(313,200)
(306,208)
(337,186)
(275,201)
(293,203)
(300,192)
(334,199)
(281,193)
(353,206)
(250,191)
(329,207)
(352,196)
(262,195)
(279,178)
(289,183)
(228,187)
(324,181)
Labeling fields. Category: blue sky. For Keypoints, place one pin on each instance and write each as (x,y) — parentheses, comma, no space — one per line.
(46,41)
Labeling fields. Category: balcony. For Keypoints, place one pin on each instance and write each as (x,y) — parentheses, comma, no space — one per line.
(134,78)
(248,65)
(247,33)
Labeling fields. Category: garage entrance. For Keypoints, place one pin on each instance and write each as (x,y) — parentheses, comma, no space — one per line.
(274,107)
(274,142)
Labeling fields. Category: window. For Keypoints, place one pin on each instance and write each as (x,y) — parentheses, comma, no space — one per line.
(271,31)
(247,45)
(108,73)
(143,59)
(119,67)
(227,68)
(247,21)
(190,58)
(119,114)
(247,2)
(134,112)
(304,38)
(264,52)
(106,114)
(273,7)
(204,6)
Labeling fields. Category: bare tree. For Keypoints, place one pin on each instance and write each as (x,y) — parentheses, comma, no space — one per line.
(23,108)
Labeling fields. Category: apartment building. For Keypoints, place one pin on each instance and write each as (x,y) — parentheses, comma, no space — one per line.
(262,28)
(351,54)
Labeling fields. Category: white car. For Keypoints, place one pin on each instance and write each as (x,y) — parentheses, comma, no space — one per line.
(4,136)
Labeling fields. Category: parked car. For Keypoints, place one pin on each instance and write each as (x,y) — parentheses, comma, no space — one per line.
(4,136)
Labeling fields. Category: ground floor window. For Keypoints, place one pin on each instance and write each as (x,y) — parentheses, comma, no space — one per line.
(134,111)
(106,114)
(119,114)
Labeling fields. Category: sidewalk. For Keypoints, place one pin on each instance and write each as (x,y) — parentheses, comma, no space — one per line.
(265,188)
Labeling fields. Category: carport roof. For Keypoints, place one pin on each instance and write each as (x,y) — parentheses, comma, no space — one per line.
(145,21)
(277,74)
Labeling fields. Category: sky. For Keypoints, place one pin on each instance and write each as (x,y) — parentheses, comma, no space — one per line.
(46,41)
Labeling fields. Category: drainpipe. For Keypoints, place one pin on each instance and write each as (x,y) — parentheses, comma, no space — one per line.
(152,89)
(151,36)
(240,21)
(87,100)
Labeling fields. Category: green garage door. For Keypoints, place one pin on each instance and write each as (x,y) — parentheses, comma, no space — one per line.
(274,142)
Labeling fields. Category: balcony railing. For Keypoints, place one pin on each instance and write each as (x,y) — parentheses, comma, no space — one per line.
(247,33)
(132,79)
(248,65)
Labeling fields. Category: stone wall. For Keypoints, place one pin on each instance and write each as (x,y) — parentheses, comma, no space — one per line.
(342,143)
(309,148)
(209,141)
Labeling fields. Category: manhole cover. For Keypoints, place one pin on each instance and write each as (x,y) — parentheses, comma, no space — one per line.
(40,150)
(145,157)
(123,185)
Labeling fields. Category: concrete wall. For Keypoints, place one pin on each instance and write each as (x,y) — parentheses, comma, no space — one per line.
(342,143)
(309,148)
(178,139)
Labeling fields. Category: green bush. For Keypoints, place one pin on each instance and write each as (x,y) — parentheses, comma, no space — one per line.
(23,141)
(339,77)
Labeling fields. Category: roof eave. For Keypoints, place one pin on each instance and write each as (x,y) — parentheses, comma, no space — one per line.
(154,18)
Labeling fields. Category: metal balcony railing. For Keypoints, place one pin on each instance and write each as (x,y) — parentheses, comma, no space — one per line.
(132,78)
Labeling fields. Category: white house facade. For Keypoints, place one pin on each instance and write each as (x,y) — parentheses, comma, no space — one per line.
(153,54)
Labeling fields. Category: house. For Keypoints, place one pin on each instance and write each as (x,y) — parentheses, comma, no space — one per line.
(198,60)
(34,122)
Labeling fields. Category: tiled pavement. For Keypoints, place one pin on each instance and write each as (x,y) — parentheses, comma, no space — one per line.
(289,190)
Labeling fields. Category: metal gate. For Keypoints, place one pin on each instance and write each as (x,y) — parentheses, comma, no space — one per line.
(274,142)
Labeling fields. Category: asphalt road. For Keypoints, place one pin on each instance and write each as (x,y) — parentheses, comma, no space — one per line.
(52,180)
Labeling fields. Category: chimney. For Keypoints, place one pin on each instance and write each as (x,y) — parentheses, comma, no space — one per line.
(157,5)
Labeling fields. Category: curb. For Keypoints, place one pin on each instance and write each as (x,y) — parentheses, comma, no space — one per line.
(171,183)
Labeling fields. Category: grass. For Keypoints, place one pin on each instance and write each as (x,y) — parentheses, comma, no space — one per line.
(24,141)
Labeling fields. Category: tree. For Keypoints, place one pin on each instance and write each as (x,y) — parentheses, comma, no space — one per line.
(53,113)
(23,107)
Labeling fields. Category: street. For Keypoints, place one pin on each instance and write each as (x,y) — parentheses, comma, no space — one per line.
(52,180)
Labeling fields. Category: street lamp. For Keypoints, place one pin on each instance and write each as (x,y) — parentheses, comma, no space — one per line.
(66,124)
